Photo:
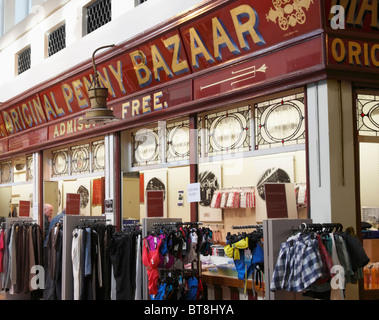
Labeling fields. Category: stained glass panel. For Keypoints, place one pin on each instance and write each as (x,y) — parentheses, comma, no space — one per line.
(80,159)
(29,168)
(98,158)
(60,162)
(368,115)
(177,140)
(6,172)
(200,152)
(146,147)
(280,122)
(228,131)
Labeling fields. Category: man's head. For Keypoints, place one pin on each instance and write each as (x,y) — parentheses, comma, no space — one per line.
(48,211)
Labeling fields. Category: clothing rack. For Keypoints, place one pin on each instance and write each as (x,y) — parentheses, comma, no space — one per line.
(93,220)
(276,231)
(12,221)
(26,220)
(234,197)
(147,227)
(70,222)
(132,227)
(329,227)
(9,222)
(252,226)
(137,224)
(313,277)
(256,234)
(162,224)
(236,188)
(165,222)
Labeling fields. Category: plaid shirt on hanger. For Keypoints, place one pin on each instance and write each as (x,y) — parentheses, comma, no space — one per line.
(298,266)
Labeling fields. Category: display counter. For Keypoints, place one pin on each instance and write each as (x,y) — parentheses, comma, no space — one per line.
(224,287)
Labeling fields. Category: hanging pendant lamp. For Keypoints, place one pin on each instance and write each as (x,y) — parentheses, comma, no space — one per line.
(98,113)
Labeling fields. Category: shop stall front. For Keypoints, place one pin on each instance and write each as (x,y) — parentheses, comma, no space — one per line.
(219,101)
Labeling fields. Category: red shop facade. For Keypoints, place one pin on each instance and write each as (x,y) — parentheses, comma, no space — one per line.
(240,59)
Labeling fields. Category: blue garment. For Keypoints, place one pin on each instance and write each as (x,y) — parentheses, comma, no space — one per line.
(257,257)
(164,248)
(161,292)
(52,223)
(241,265)
(87,250)
(192,292)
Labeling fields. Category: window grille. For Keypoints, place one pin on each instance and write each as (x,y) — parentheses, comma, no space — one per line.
(56,40)
(98,14)
(23,60)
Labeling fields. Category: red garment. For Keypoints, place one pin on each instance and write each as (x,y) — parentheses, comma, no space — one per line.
(151,261)
(326,260)
(200,289)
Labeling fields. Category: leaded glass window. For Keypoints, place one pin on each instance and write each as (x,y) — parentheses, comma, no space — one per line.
(228,131)
(146,147)
(29,168)
(80,159)
(368,115)
(6,172)
(98,158)
(60,163)
(177,140)
(280,122)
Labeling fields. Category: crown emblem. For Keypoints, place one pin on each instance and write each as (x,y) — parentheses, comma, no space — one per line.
(288,12)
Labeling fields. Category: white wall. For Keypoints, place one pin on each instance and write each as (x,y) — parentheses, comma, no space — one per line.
(369,174)
(331,152)
(126,23)
(319,153)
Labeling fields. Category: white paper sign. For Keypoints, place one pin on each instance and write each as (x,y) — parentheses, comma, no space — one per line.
(193,192)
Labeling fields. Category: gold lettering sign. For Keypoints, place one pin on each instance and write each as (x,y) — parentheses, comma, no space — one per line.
(357,11)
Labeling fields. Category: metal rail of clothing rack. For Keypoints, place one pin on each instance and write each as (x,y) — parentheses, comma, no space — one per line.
(161,224)
(249,226)
(330,227)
